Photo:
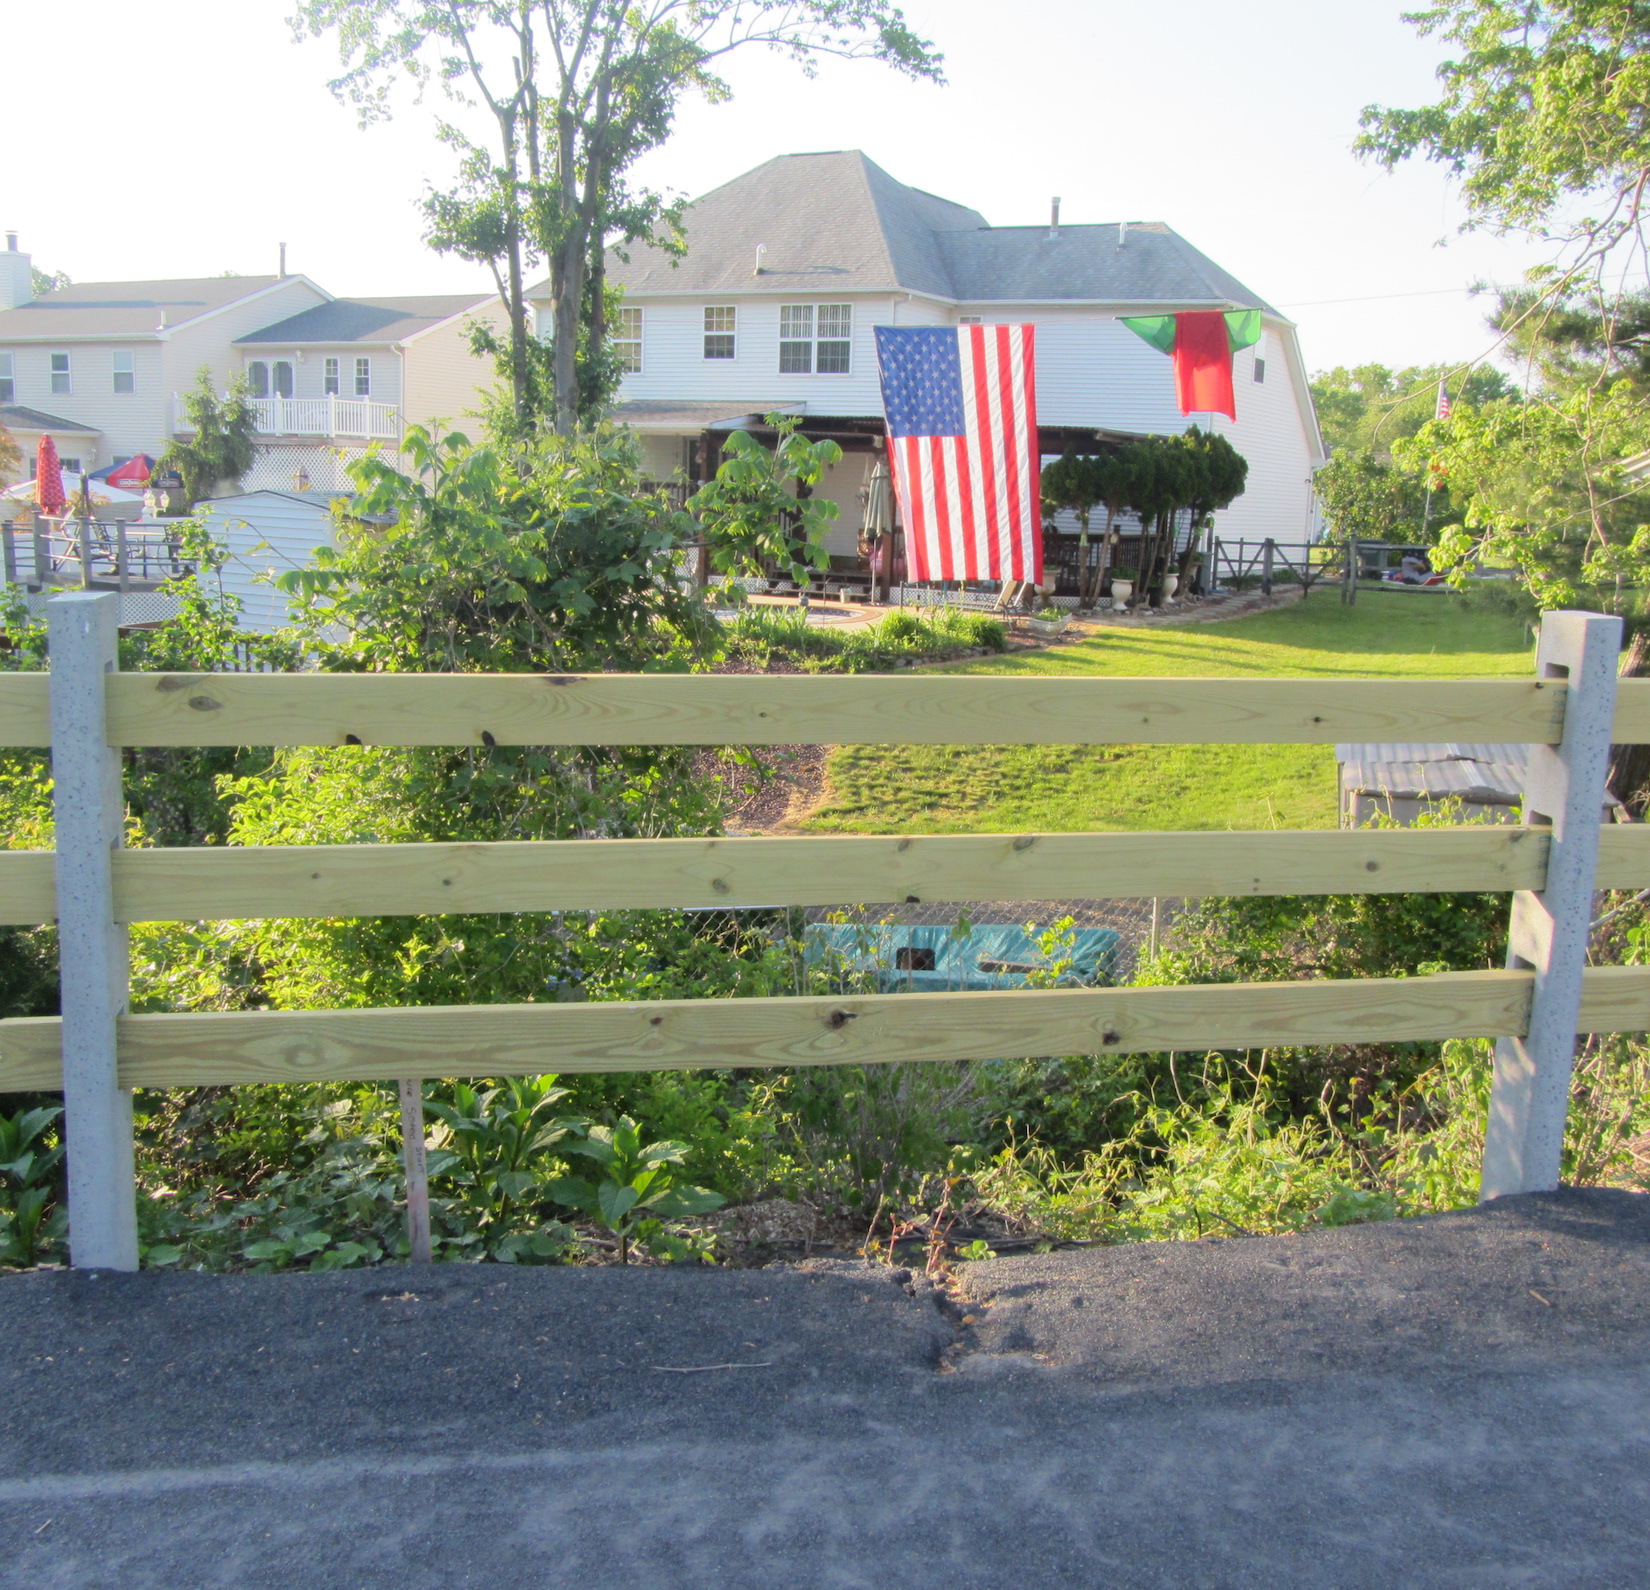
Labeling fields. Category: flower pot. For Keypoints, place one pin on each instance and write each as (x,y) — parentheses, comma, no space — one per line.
(1121,591)
(1171,584)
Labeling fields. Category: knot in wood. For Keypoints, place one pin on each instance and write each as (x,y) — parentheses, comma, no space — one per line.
(839,1019)
(205,704)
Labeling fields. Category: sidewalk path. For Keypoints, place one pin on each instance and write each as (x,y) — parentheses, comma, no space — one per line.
(1463,1401)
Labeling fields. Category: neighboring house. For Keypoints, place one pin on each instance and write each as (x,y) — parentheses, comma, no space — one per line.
(101,366)
(355,371)
(789,267)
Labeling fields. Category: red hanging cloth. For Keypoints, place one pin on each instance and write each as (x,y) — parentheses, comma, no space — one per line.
(1203,363)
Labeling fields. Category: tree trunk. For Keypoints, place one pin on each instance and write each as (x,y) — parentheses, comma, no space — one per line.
(1629,776)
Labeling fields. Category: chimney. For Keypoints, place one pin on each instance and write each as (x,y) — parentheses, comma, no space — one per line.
(1054,219)
(1122,233)
(283,261)
(16,277)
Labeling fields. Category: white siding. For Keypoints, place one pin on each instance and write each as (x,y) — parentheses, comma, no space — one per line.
(1273,434)
(309,369)
(265,533)
(674,365)
(131,422)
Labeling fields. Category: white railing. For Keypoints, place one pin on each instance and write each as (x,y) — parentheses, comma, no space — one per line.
(322,416)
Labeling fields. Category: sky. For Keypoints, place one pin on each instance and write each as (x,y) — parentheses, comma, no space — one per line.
(192,137)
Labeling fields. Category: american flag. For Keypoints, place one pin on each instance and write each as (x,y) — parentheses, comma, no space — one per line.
(962,427)
(1441,412)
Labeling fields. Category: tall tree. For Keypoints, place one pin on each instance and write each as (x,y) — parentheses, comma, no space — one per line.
(1547,102)
(571,94)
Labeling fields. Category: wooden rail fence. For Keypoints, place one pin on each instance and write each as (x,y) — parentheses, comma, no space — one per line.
(85,711)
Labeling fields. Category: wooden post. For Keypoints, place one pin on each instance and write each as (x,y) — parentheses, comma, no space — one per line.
(1349,580)
(82,633)
(1266,567)
(1563,790)
(10,544)
(42,560)
(123,570)
(418,1176)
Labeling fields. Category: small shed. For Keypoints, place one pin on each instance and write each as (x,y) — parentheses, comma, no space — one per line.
(266,533)
(1402,781)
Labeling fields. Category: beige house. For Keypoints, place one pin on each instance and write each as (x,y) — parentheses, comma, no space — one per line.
(101,367)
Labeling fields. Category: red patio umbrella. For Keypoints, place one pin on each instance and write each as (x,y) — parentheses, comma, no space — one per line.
(48,478)
(134,472)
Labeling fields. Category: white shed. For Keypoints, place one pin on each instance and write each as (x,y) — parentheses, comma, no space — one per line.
(266,533)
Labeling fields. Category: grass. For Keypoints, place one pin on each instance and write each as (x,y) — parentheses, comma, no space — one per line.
(952,789)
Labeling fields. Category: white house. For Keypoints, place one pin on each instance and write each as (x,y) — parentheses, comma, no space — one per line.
(101,366)
(789,267)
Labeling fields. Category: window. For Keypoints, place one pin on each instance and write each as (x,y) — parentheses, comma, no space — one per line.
(815,338)
(719,333)
(282,374)
(8,383)
(61,383)
(796,339)
(627,341)
(125,376)
(968,320)
(836,325)
(330,384)
(363,377)
(1260,369)
(257,378)
(69,466)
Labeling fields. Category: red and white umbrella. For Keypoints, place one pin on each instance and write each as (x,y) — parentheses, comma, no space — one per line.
(48,478)
(134,472)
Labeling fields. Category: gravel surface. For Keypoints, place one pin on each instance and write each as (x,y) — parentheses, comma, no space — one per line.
(1387,1406)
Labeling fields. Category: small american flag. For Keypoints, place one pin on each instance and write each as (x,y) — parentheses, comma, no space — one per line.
(962,427)
(1442,411)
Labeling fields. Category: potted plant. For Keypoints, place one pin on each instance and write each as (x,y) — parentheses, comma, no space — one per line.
(1122,586)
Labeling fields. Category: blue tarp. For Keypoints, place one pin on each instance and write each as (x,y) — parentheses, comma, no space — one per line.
(935,959)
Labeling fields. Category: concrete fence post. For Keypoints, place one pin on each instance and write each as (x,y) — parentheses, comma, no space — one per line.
(1563,789)
(82,631)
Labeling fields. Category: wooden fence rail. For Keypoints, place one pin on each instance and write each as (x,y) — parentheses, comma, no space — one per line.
(1568,715)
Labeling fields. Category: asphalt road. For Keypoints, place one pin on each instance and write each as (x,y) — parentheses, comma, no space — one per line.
(1462,1401)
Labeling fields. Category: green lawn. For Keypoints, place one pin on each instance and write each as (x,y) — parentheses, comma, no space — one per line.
(1056,788)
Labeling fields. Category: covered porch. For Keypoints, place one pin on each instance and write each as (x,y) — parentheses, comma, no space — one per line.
(682,445)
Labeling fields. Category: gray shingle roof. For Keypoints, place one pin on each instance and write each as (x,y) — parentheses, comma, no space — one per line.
(92,309)
(377,320)
(15,417)
(838,221)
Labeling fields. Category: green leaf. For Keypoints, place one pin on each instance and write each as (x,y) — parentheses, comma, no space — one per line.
(679,1201)
(614,1203)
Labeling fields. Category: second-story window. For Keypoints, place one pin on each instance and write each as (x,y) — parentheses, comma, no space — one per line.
(720,333)
(363,377)
(257,378)
(329,378)
(124,373)
(62,383)
(8,380)
(815,339)
(1260,370)
(627,341)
